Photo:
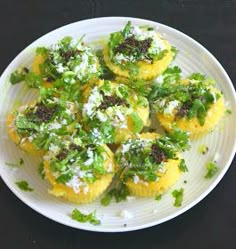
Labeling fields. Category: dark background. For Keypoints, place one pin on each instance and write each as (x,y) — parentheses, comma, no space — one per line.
(210,224)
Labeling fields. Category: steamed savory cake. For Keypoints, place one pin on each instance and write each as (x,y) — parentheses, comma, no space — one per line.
(193,105)
(151,163)
(137,52)
(34,126)
(69,61)
(78,173)
(113,111)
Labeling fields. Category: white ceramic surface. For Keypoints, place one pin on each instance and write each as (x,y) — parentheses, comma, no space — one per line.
(147,212)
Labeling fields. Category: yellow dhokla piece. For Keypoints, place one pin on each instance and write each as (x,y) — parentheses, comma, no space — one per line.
(166,179)
(39,60)
(214,114)
(24,144)
(94,189)
(123,134)
(147,71)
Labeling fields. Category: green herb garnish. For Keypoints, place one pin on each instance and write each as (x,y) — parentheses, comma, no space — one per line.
(23,185)
(106,73)
(178,195)
(183,166)
(212,169)
(84,218)
(19,75)
(137,122)
(119,193)
(228,111)
(175,51)
(41,170)
(21,161)
(158,197)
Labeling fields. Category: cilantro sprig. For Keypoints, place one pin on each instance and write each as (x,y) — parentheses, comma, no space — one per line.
(178,195)
(24,186)
(119,193)
(84,218)
(212,169)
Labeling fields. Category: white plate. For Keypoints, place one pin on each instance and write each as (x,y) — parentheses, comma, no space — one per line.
(147,212)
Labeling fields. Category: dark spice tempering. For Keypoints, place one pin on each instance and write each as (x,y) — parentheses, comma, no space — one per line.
(49,79)
(75,147)
(183,111)
(62,155)
(44,113)
(131,46)
(67,55)
(109,101)
(157,154)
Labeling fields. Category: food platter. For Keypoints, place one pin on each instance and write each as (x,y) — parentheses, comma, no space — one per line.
(146,212)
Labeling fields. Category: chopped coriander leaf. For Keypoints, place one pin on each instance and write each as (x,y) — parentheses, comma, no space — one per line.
(180,138)
(64,178)
(197,110)
(127,29)
(31,79)
(21,161)
(42,50)
(19,75)
(178,195)
(212,169)
(106,200)
(203,149)
(140,86)
(132,68)
(106,73)
(183,166)
(137,122)
(197,76)
(23,185)
(84,218)
(119,193)
(23,123)
(228,111)
(41,170)
(175,51)
(170,76)
(161,55)
(158,197)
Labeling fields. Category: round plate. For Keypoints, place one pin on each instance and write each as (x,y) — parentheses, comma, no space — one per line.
(146,211)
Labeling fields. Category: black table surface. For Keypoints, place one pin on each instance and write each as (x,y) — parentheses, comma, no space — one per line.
(212,222)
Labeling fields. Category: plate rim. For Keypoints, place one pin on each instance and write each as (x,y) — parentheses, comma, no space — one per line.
(177,212)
